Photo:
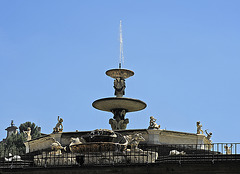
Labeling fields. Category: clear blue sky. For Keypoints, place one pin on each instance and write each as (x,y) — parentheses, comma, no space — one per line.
(185,55)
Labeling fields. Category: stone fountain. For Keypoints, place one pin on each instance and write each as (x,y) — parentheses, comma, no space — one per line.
(119,105)
(99,140)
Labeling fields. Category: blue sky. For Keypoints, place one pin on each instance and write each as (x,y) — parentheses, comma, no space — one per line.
(185,55)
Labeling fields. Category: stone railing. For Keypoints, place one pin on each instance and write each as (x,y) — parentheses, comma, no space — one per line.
(145,154)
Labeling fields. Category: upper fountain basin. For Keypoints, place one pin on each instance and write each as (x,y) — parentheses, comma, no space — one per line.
(119,73)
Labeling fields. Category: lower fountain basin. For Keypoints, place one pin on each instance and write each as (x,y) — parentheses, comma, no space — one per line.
(99,138)
(97,147)
(113,103)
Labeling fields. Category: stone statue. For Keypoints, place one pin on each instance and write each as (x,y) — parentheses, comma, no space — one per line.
(118,122)
(118,125)
(57,147)
(13,158)
(153,124)
(209,135)
(134,140)
(28,133)
(59,126)
(175,152)
(119,86)
(199,128)
(74,142)
(12,124)
(119,114)
(123,123)
(228,149)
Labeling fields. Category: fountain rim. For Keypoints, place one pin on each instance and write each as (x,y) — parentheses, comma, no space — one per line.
(136,105)
(123,73)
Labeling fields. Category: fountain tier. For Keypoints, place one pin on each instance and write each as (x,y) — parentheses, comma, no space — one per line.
(114,103)
(119,105)
(119,73)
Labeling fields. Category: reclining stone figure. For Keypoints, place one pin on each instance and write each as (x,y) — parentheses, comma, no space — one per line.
(153,124)
(57,147)
(175,152)
(134,140)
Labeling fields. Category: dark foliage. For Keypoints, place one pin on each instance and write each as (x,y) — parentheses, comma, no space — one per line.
(14,144)
(34,129)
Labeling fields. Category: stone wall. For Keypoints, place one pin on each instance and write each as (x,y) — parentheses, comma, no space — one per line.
(156,137)
(151,136)
(199,168)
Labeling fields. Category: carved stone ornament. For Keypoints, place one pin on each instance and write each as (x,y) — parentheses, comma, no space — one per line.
(134,140)
(228,149)
(199,128)
(119,86)
(153,124)
(59,127)
(209,135)
(56,148)
(28,133)
(118,122)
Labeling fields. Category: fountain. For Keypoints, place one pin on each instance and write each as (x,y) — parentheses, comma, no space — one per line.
(103,146)
(119,105)
(99,140)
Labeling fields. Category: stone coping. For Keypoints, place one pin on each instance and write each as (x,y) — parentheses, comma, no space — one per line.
(118,131)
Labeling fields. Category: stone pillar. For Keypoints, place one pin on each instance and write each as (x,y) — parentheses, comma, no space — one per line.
(153,136)
(200,138)
(56,136)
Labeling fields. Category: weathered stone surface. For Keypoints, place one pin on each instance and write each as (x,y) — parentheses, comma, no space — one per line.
(153,124)
(48,159)
(97,147)
(139,156)
(112,103)
(119,73)
(95,158)
(225,167)
(42,143)
(151,136)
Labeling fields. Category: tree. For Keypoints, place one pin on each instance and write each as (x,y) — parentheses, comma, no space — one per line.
(14,143)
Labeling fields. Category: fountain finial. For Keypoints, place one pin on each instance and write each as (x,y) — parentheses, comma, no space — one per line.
(121,57)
